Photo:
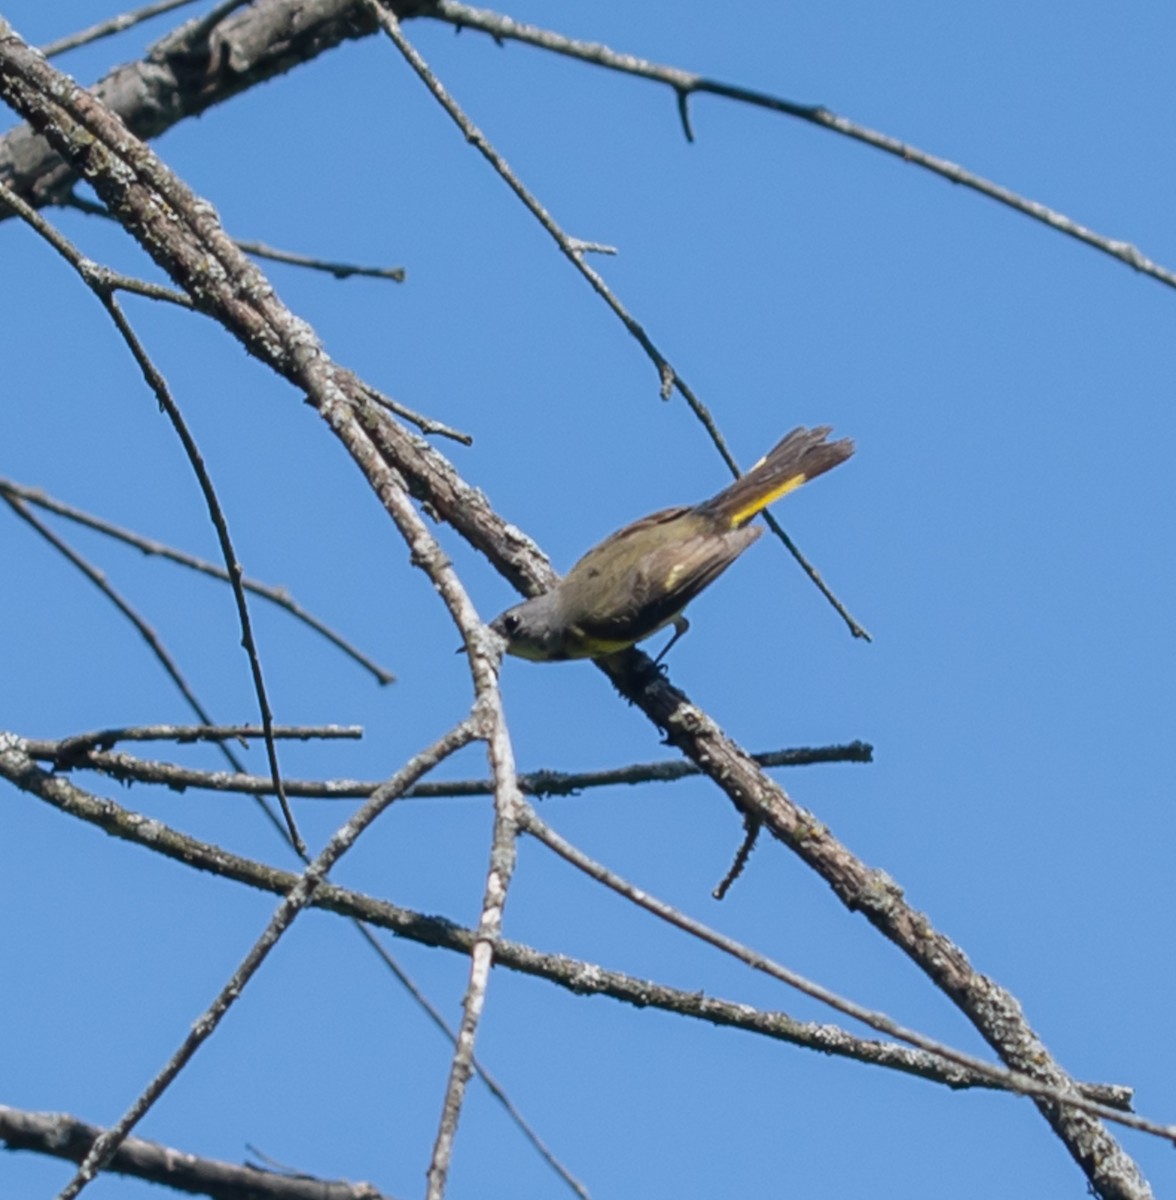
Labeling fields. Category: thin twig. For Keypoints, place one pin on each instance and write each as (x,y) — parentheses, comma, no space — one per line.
(104,279)
(78,745)
(686,83)
(166,401)
(276,595)
(91,751)
(751,832)
(337,269)
(205,733)
(573,250)
(423,423)
(297,899)
(62,1136)
(116,281)
(110,27)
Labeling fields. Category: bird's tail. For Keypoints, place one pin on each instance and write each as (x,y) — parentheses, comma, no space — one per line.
(802,455)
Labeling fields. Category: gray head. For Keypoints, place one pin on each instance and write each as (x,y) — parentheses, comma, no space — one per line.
(533,629)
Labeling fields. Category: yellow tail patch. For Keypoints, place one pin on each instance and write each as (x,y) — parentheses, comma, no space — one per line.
(762,501)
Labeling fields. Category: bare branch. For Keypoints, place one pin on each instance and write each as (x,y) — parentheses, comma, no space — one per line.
(108,28)
(89,751)
(686,83)
(77,746)
(66,1137)
(1011,1080)
(274,36)
(577,976)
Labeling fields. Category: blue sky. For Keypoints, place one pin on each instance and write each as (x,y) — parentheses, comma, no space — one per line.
(1004,531)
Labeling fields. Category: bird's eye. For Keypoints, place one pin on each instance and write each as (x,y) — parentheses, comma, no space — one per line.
(507,624)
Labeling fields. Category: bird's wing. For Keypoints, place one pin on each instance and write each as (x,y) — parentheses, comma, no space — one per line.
(661,582)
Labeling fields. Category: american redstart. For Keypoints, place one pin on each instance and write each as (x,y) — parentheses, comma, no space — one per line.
(639,579)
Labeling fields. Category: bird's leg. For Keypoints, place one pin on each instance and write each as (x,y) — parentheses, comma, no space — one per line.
(680,626)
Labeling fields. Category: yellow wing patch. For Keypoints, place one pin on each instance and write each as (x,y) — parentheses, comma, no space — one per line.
(674,575)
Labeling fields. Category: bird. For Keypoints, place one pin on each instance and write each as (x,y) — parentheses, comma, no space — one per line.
(640,578)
